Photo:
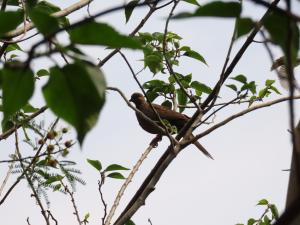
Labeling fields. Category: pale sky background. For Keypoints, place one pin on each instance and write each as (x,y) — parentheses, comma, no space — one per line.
(250,152)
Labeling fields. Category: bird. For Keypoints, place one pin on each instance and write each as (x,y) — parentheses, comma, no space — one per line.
(174,118)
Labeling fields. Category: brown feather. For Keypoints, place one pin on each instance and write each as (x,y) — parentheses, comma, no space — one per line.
(174,118)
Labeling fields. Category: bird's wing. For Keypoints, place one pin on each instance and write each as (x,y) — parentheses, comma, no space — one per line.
(169,114)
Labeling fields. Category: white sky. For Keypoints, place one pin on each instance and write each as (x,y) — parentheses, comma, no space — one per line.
(250,152)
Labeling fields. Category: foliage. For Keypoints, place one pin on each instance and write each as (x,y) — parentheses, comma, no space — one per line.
(74,88)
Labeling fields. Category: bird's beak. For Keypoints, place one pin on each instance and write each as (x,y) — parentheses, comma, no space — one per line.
(131,100)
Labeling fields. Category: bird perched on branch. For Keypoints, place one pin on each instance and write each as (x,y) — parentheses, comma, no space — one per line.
(174,118)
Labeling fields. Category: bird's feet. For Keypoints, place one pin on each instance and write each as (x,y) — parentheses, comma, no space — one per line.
(154,142)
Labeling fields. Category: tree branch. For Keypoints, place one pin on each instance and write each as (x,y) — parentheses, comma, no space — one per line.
(252,108)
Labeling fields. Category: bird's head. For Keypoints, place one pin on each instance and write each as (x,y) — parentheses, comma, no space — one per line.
(137,98)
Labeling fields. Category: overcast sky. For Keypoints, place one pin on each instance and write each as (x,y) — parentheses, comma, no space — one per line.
(250,152)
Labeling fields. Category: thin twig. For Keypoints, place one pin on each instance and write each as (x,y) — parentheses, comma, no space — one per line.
(7,133)
(100,185)
(148,100)
(135,109)
(126,183)
(252,108)
(71,194)
(35,194)
(286,13)
(31,164)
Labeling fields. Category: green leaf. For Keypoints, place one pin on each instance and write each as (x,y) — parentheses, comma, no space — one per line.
(129,222)
(215,9)
(277,26)
(167,104)
(269,83)
(9,20)
(44,22)
(42,73)
(28,108)
(154,63)
(201,87)
(13,2)
(194,2)
(53,179)
(101,34)
(153,83)
(182,99)
(241,78)
(274,211)
(262,93)
(114,167)
(251,221)
(243,26)
(49,9)
(263,202)
(18,86)
(116,175)
(95,163)
(275,90)
(232,86)
(129,8)
(267,220)
(57,187)
(195,55)
(13,47)
(76,93)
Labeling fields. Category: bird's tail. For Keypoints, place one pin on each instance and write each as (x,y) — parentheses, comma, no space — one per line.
(201,148)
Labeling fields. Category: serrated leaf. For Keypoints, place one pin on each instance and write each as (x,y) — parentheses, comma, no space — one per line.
(114,167)
(243,26)
(116,175)
(263,202)
(201,87)
(195,55)
(17,87)
(241,78)
(9,20)
(95,163)
(101,34)
(129,8)
(76,93)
